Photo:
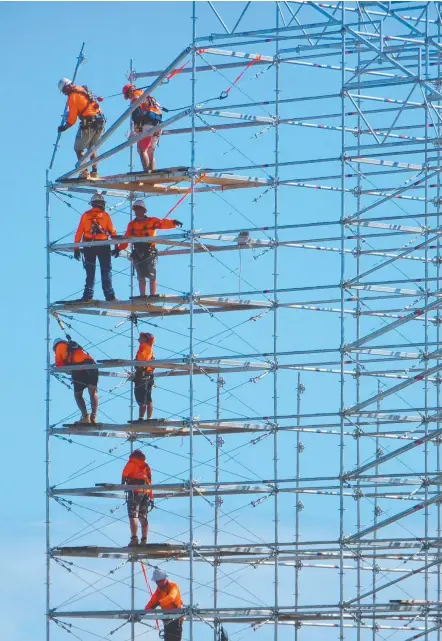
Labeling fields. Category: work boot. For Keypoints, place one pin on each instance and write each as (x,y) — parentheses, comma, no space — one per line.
(84,420)
(86,298)
(84,174)
(154,296)
(110,298)
(133,542)
(93,419)
(143,541)
(94,174)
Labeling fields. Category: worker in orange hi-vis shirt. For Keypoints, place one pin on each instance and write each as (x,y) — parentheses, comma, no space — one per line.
(168,597)
(83,105)
(144,117)
(139,502)
(68,352)
(144,380)
(145,255)
(96,224)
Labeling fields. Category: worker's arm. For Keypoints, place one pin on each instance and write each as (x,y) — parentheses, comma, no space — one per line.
(169,600)
(80,231)
(154,601)
(165,223)
(110,226)
(128,233)
(73,110)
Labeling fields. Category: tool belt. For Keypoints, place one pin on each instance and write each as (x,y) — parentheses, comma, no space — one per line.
(95,122)
(142,374)
(141,251)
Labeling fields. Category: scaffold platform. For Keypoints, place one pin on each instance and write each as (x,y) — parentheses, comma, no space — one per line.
(168,181)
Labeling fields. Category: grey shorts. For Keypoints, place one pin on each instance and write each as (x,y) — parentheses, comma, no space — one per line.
(145,264)
(88,135)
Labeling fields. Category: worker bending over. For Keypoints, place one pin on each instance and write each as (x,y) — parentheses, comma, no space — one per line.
(82,104)
(96,224)
(144,117)
(69,352)
(145,255)
(139,502)
(168,597)
(144,380)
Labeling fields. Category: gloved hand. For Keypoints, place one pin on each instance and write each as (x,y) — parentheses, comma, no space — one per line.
(151,504)
(77,254)
(177,223)
(62,128)
(116,252)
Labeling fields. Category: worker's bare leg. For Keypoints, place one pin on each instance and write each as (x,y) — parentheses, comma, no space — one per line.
(93,395)
(153,287)
(80,403)
(142,286)
(144,527)
(151,157)
(149,410)
(133,527)
(144,159)
(142,409)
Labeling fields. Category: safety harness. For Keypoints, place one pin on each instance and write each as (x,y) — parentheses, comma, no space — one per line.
(86,121)
(148,113)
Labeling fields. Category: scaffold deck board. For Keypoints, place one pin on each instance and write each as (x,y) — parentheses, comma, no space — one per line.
(159,428)
(163,305)
(168,181)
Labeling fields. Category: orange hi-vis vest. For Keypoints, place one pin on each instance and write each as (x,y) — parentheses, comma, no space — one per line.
(80,105)
(95,224)
(146,226)
(138,470)
(167,599)
(65,356)
(145,353)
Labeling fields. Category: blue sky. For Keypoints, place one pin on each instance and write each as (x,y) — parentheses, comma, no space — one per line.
(39,43)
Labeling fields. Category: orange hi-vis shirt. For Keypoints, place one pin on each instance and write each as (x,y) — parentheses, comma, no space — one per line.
(138,470)
(167,599)
(95,218)
(149,102)
(80,106)
(145,353)
(146,226)
(76,356)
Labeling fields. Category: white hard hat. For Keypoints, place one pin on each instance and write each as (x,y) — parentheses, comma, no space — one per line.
(64,82)
(57,342)
(97,198)
(158,575)
(140,203)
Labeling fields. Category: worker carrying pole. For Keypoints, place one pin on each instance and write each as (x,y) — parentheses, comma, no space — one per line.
(83,105)
(143,378)
(168,597)
(139,502)
(68,352)
(146,115)
(96,224)
(145,255)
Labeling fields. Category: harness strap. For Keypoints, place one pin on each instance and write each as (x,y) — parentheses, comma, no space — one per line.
(149,588)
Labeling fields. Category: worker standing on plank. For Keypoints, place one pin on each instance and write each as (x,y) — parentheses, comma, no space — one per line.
(96,224)
(68,352)
(144,380)
(139,502)
(82,104)
(168,597)
(144,117)
(145,255)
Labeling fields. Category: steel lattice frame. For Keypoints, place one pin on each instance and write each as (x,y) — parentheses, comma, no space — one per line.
(376,337)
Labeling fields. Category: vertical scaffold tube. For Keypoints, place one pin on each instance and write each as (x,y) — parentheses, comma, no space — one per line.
(191,317)
(275,329)
(48,407)
(299,446)
(342,338)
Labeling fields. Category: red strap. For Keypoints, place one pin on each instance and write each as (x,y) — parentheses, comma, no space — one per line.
(176,71)
(148,587)
(252,62)
(183,197)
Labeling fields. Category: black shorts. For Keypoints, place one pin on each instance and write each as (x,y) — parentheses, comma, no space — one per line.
(145,262)
(137,504)
(83,378)
(173,630)
(143,389)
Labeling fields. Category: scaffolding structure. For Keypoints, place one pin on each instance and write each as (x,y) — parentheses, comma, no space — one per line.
(296,441)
